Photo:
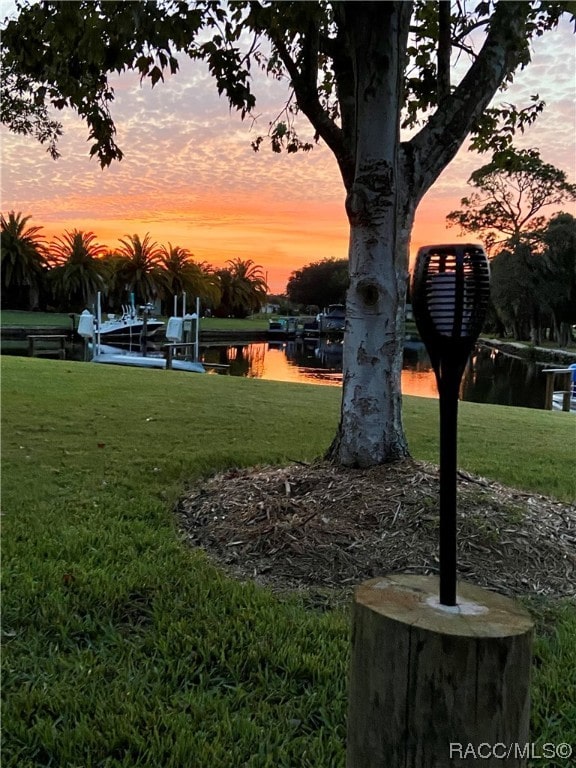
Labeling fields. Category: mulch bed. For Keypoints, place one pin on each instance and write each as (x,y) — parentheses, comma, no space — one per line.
(322,526)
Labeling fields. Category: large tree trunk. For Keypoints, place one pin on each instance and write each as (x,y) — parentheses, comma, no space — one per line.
(385,181)
(562,333)
(370,430)
(565,336)
(535,328)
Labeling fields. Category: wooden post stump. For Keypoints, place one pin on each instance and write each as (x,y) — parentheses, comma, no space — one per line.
(428,680)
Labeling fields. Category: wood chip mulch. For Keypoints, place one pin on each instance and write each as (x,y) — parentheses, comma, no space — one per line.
(322,526)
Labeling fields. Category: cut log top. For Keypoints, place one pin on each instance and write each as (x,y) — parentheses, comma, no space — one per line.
(413,600)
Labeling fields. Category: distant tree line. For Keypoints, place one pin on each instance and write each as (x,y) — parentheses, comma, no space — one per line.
(533,259)
(67,273)
(319,284)
(534,285)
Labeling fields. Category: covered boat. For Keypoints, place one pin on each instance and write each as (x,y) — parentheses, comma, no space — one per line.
(282,328)
(333,321)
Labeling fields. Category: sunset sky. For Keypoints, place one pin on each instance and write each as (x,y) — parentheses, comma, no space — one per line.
(190,177)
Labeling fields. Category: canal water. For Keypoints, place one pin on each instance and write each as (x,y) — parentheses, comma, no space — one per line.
(490,377)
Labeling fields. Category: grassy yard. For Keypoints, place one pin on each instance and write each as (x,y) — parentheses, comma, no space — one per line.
(123,647)
(15,318)
(255,323)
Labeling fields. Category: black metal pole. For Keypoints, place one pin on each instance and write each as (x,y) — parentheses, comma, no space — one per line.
(144,333)
(450,295)
(448,391)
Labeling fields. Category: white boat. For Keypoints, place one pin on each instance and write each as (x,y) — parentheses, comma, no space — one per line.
(283,328)
(127,327)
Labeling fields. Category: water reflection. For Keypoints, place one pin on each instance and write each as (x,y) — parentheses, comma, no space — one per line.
(295,361)
(493,377)
(490,377)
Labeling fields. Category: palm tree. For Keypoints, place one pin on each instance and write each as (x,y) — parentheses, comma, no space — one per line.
(79,271)
(24,262)
(182,274)
(243,287)
(137,268)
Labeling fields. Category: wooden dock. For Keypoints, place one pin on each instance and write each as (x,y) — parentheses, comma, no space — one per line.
(565,394)
(44,339)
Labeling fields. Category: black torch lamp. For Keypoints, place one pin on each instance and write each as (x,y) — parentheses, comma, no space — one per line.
(450,293)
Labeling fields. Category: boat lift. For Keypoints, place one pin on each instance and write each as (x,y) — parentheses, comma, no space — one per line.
(565,398)
(89,327)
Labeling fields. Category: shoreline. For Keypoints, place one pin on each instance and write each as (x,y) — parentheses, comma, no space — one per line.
(540,355)
(20,333)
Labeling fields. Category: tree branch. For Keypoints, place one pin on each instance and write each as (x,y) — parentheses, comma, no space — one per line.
(444,50)
(438,142)
(304,82)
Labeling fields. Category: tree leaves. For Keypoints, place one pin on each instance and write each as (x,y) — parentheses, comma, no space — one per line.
(243,288)
(535,283)
(496,128)
(63,53)
(77,269)
(23,111)
(60,54)
(320,283)
(510,193)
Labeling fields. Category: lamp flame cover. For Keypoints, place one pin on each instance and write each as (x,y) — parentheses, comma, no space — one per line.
(450,295)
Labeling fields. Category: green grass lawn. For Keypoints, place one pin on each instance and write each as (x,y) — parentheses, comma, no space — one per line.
(255,323)
(124,647)
(18,319)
